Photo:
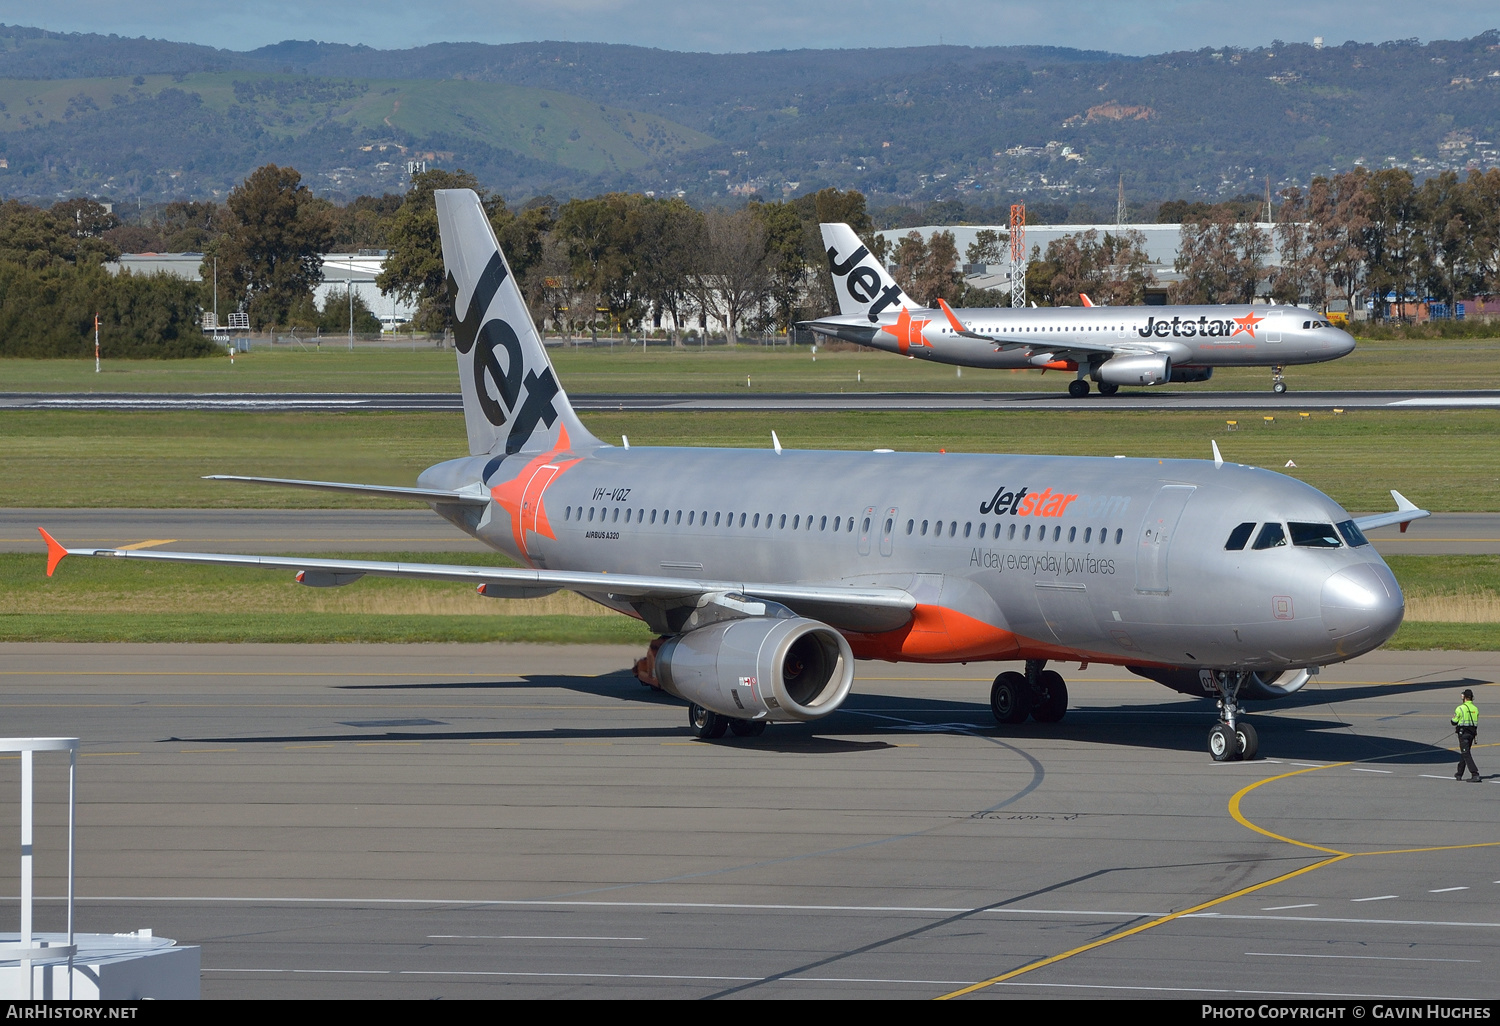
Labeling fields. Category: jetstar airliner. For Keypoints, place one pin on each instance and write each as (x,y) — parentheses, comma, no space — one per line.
(767,573)
(1113,345)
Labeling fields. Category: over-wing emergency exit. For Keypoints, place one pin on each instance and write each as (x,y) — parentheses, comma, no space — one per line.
(1113,346)
(766,573)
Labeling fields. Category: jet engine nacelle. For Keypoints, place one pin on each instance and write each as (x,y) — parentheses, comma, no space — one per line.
(1145,369)
(760,668)
(1184,375)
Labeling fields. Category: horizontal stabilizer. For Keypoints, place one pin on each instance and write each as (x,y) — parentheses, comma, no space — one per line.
(1405,512)
(474,498)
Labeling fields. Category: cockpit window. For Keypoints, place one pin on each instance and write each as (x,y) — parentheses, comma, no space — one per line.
(1314,536)
(1238,537)
(1352,534)
(1270,537)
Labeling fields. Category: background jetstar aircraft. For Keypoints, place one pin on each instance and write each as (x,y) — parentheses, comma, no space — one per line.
(768,572)
(1135,345)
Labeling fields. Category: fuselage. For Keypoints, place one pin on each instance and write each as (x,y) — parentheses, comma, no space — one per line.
(1192,336)
(1009,556)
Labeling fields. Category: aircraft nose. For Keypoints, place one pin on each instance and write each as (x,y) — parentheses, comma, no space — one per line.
(1345,343)
(1362,607)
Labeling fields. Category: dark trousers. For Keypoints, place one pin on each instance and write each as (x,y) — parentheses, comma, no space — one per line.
(1465,758)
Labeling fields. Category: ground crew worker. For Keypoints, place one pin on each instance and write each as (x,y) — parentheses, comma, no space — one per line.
(1466,726)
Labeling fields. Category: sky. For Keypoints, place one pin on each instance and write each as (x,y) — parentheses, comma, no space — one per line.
(1119,26)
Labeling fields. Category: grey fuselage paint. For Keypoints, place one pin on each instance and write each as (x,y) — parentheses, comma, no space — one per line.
(1092,558)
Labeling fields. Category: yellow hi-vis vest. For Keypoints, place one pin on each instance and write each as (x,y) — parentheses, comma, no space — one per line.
(1466,715)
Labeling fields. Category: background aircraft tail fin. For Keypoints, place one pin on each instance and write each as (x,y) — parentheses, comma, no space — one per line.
(862,285)
(512,399)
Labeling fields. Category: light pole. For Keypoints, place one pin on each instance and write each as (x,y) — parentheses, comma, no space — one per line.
(350,285)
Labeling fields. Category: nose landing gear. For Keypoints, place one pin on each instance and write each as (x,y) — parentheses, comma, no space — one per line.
(1231,738)
(1278,383)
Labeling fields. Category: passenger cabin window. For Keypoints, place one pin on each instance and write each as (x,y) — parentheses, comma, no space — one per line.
(1352,534)
(1314,536)
(1270,537)
(1238,537)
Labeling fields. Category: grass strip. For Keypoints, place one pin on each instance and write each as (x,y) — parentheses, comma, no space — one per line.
(1457,637)
(1438,363)
(1446,460)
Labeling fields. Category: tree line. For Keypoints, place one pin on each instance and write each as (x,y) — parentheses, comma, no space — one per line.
(1379,234)
(634,262)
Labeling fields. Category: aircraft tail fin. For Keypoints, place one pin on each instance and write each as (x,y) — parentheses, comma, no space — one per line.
(863,286)
(512,400)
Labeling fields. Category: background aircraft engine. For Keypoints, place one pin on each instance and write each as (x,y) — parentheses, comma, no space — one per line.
(1145,369)
(760,668)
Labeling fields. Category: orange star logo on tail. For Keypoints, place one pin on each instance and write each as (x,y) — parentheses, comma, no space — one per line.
(522,495)
(1246,323)
(907,331)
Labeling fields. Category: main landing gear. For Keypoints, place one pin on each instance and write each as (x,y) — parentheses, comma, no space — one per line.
(1039,693)
(708,725)
(1078,388)
(1278,383)
(1231,738)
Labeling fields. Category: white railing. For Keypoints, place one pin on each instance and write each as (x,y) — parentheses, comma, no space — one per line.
(27,952)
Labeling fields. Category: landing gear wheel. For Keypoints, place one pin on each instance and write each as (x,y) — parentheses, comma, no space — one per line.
(1249,744)
(1106,388)
(1053,706)
(1279,387)
(706,724)
(1222,744)
(1078,388)
(1010,698)
(747,728)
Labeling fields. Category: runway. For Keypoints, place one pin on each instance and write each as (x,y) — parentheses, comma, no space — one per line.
(271,531)
(1172,398)
(488,821)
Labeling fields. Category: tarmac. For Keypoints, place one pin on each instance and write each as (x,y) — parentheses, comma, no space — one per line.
(271,531)
(456,821)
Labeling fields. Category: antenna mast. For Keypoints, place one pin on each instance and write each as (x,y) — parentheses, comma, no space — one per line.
(1018,255)
(1120,204)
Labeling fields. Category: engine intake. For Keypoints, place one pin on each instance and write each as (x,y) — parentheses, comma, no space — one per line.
(1145,369)
(760,668)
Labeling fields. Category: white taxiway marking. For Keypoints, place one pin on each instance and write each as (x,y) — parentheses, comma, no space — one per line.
(837,979)
(1434,776)
(1378,897)
(1315,765)
(572,903)
(1334,919)
(1361,769)
(1283,908)
(1445,890)
(520,936)
(1458,400)
(1377,958)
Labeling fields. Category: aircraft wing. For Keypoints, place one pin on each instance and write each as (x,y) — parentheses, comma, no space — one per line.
(1405,512)
(861,609)
(474,498)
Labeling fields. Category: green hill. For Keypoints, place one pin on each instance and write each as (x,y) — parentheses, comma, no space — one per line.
(165,136)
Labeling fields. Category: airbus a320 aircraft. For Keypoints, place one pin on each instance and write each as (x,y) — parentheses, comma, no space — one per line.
(1135,345)
(768,572)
